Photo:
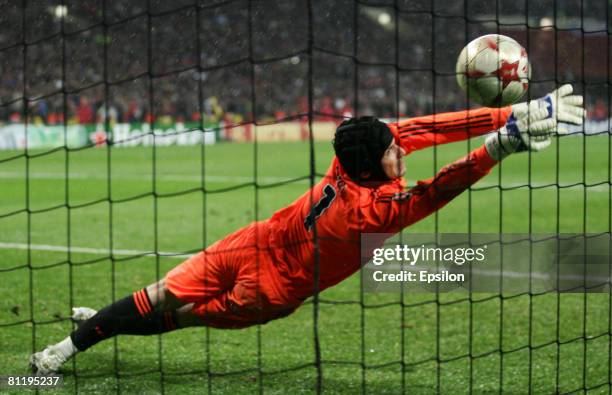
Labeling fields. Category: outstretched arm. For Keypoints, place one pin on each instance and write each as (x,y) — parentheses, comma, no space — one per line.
(432,194)
(422,132)
(530,127)
(394,211)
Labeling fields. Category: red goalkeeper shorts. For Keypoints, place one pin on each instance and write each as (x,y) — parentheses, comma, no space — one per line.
(232,283)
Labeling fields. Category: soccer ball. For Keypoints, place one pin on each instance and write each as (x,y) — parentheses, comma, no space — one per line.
(494,70)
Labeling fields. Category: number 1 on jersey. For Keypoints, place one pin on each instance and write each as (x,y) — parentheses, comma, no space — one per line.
(329,194)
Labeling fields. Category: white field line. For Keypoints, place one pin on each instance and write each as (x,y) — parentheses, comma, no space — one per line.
(86,250)
(233,179)
(140,177)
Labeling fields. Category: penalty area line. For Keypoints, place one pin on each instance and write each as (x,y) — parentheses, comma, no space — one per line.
(88,250)
(13,175)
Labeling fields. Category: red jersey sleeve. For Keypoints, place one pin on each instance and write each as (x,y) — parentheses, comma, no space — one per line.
(392,212)
(422,132)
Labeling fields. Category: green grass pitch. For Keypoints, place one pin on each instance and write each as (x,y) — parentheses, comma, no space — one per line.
(518,342)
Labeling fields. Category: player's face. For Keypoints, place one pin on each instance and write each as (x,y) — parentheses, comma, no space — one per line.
(392,162)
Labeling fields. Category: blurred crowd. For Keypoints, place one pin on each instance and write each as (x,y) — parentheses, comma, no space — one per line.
(143,61)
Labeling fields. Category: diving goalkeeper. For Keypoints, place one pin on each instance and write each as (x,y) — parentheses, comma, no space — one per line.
(265,270)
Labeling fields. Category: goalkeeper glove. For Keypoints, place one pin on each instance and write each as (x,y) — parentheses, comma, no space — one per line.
(562,106)
(529,130)
(530,125)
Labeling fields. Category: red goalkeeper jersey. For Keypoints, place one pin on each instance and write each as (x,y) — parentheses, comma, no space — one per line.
(338,210)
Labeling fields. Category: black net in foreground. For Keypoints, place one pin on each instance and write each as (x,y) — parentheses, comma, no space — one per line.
(134,135)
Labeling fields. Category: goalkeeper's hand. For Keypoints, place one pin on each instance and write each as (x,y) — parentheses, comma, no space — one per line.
(523,131)
(531,125)
(562,106)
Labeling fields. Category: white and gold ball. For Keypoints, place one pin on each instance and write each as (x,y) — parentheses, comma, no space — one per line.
(494,70)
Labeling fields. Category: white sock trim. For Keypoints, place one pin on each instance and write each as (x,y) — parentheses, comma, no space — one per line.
(66,348)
